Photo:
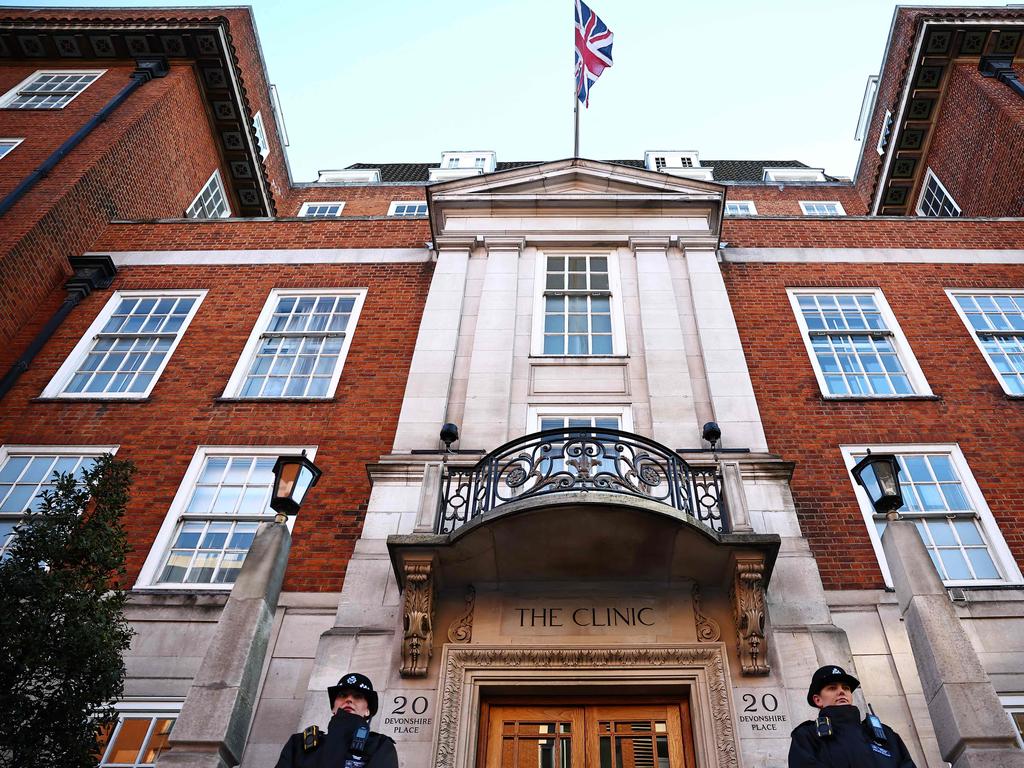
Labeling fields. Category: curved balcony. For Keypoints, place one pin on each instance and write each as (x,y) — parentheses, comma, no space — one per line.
(581,459)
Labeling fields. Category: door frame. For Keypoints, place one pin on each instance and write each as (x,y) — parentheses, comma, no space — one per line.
(471,674)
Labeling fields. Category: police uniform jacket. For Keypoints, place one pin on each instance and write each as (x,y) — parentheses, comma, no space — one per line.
(851,744)
(331,749)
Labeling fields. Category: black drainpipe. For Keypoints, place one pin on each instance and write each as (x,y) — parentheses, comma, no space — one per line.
(91,273)
(147,69)
(1001,68)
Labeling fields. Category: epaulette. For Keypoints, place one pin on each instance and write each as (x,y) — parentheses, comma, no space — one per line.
(311,738)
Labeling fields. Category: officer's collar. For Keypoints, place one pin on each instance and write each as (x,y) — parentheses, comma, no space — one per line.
(844,713)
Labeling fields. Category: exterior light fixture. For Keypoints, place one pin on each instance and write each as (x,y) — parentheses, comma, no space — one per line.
(879,475)
(712,433)
(293,476)
(449,435)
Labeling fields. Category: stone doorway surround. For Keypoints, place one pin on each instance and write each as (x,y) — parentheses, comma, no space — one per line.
(468,672)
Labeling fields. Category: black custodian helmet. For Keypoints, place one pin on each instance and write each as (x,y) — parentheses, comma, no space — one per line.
(354,681)
(826,676)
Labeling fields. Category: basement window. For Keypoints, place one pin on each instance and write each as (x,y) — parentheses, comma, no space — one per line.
(141,733)
(945,503)
(49,89)
(211,202)
(935,199)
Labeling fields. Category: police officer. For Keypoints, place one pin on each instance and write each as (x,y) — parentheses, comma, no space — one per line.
(348,741)
(838,738)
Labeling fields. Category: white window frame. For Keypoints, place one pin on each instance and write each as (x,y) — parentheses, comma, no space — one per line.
(13,450)
(748,203)
(392,209)
(304,210)
(1013,703)
(235,383)
(261,134)
(534,413)
(885,132)
(11,95)
(900,343)
(151,708)
(952,293)
(55,388)
(614,288)
(164,538)
(840,211)
(919,208)
(11,145)
(214,178)
(1000,553)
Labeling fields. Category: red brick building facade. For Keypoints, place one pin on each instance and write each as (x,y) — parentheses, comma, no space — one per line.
(423,293)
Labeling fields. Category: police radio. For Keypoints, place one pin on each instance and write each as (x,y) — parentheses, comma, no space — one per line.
(877,731)
(823,726)
(357,746)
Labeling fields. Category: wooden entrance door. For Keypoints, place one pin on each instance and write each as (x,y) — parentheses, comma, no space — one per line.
(633,735)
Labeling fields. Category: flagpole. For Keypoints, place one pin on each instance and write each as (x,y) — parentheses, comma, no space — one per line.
(576,120)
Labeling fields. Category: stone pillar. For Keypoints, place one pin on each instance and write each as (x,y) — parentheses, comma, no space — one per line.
(972,728)
(489,388)
(732,394)
(735,497)
(668,378)
(212,728)
(433,361)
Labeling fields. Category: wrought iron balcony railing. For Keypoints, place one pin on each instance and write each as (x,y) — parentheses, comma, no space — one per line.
(581,459)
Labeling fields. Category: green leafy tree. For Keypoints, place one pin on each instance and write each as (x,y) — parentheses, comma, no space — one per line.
(63,625)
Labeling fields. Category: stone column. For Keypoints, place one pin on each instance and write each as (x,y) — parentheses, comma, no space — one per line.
(489,388)
(430,371)
(732,394)
(214,722)
(972,728)
(668,379)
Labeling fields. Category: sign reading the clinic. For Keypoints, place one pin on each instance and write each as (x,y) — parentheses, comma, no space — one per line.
(581,617)
(762,712)
(406,715)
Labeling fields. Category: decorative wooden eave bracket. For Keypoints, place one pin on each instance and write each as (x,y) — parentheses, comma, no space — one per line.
(418,573)
(749,611)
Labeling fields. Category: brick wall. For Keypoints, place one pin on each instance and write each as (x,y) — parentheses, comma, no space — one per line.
(359,200)
(803,427)
(148,160)
(770,200)
(161,434)
(977,150)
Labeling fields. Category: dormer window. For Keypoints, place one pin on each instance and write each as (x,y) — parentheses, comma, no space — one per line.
(793,174)
(458,165)
(667,162)
(453,162)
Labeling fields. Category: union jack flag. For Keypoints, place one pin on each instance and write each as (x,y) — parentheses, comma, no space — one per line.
(593,50)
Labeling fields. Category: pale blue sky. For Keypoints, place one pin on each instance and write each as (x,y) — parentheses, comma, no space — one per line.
(404,81)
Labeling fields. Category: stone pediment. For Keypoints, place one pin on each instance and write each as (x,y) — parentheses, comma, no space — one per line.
(577,200)
(575,178)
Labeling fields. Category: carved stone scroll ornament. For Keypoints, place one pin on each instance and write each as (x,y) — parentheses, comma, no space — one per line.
(461,630)
(418,610)
(748,604)
(708,630)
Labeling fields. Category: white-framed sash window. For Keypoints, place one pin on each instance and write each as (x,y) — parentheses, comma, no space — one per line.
(578,305)
(855,345)
(26,471)
(49,89)
(128,345)
(935,200)
(213,519)
(996,322)
(211,202)
(298,345)
(947,506)
(822,208)
(322,210)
